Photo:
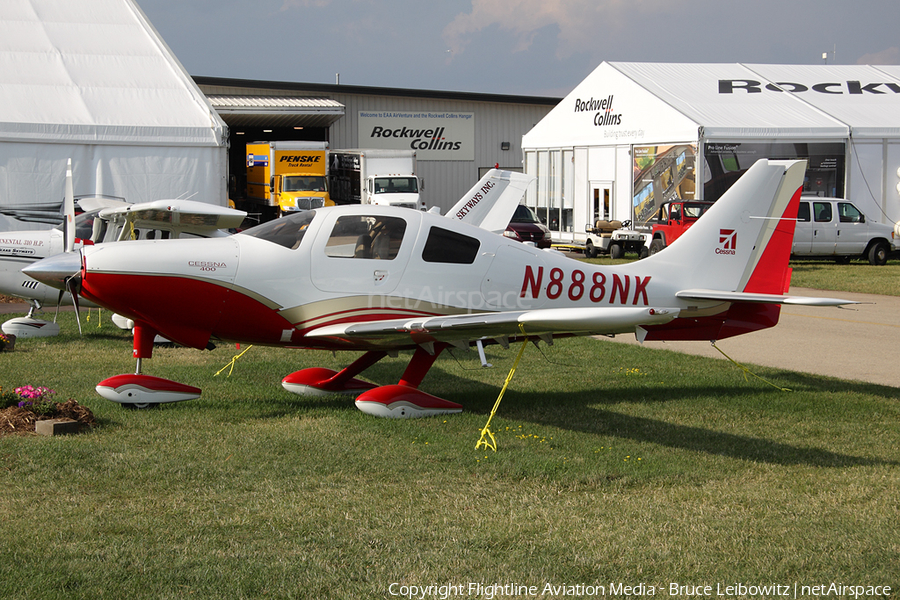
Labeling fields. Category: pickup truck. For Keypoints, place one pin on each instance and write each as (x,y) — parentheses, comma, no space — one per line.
(673,219)
(835,228)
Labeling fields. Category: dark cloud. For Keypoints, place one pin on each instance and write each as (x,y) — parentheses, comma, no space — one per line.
(541,47)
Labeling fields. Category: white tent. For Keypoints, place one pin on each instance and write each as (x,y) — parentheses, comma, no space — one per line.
(93,81)
(609,138)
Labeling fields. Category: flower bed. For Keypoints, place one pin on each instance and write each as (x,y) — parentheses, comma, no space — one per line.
(22,408)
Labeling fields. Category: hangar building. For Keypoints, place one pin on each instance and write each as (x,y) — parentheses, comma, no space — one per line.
(457,135)
(633,135)
(94,82)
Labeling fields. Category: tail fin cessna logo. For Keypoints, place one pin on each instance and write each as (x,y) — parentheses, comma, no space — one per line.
(727,241)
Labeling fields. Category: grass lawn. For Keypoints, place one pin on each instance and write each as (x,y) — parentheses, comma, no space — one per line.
(616,465)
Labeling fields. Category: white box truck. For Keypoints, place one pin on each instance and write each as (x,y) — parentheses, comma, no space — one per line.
(374,176)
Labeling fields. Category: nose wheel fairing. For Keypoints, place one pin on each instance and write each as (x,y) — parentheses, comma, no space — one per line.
(143,391)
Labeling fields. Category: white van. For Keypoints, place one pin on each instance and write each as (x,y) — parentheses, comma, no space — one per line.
(835,227)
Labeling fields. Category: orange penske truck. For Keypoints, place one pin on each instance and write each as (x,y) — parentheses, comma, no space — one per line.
(288,176)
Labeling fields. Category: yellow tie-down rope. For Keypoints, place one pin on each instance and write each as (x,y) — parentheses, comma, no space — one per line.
(486,431)
(232,363)
(748,371)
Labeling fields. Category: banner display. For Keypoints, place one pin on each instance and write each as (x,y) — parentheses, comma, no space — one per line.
(433,135)
(661,174)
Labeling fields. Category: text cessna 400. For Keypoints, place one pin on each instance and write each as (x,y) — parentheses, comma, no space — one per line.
(103,221)
(380,279)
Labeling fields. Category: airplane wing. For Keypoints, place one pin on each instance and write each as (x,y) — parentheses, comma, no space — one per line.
(91,203)
(455,328)
(184,215)
(721,296)
(492,202)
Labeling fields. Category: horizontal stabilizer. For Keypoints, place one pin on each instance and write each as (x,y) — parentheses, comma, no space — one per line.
(718,296)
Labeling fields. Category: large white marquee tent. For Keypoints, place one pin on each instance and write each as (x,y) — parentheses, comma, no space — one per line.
(635,134)
(93,81)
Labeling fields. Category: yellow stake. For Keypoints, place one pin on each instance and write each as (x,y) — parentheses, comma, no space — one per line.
(99,317)
(486,431)
(231,364)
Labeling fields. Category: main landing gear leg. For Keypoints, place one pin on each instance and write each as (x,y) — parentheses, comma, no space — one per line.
(405,400)
(144,391)
(317,381)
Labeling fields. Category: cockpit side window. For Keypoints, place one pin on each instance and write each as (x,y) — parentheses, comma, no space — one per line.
(287,231)
(360,236)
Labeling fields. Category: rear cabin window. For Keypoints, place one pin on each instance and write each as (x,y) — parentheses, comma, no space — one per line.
(358,236)
(445,246)
(822,211)
(803,212)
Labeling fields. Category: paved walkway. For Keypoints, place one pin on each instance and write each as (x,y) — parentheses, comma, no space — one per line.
(858,343)
(8,308)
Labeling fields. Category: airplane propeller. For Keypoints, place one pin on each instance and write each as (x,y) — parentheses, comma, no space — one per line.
(61,271)
(72,283)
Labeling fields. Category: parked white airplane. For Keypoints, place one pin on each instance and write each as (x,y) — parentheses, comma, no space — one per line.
(104,220)
(382,279)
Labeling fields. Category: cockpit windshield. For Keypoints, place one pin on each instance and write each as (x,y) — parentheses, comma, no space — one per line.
(287,231)
(304,184)
(396,185)
(84,225)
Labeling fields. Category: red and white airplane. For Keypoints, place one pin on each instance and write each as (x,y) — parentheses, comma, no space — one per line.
(381,279)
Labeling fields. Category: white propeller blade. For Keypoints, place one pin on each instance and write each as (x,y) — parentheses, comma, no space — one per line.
(69,209)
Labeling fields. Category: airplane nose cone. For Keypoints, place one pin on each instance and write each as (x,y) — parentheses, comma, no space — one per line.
(55,270)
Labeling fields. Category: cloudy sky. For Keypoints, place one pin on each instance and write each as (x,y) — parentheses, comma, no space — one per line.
(527,47)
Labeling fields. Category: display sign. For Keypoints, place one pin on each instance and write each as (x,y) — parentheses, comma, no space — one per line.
(727,161)
(662,174)
(433,135)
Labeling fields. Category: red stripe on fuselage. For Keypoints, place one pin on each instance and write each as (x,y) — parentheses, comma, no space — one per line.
(185,310)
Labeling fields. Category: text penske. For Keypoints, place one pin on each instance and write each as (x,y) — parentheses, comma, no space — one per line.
(576,284)
(303,158)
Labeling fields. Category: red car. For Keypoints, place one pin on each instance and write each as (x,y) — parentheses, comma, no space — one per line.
(526,227)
